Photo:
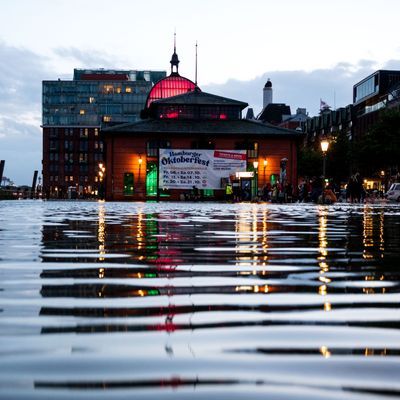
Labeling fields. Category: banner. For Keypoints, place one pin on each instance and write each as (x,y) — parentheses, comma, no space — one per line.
(183,169)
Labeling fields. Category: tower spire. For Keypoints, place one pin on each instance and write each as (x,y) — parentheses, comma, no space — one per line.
(174,60)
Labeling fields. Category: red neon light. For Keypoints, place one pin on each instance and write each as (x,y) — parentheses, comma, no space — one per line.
(223,116)
(172,114)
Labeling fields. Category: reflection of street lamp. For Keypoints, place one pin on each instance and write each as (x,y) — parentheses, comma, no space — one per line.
(102,170)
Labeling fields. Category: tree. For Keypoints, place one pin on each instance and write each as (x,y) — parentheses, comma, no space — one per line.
(339,159)
(309,162)
(380,148)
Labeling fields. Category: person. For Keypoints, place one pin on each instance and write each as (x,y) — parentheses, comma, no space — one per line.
(329,195)
(228,192)
(195,193)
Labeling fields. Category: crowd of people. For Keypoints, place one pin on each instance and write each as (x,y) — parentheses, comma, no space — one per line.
(316,190)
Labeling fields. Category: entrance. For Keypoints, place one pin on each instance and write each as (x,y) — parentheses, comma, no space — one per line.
(245,189)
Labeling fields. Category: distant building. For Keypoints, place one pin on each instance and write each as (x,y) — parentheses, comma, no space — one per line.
(279,114)
(295,121)
(74,112)
(329,123)
(375,92)
(272,112)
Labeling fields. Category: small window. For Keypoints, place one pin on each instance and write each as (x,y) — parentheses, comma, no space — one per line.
(128,90)
(82,112)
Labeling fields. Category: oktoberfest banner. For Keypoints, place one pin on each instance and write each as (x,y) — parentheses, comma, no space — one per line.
(183,169)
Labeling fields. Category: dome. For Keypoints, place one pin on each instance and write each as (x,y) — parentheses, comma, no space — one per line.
(268,84)
(170,86)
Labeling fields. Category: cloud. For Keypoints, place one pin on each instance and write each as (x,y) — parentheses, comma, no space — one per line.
(21,73)
(300,88)
(88,58)
(21,148)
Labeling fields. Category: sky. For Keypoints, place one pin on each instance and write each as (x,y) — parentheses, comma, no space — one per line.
(310,49)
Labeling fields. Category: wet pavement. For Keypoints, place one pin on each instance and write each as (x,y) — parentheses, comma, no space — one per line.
(199,300)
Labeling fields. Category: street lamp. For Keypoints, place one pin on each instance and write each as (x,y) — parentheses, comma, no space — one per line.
(255,165)
(324,148)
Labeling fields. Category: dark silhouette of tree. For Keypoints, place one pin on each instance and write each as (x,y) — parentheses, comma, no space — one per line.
(380,148)
(309,162)
(339,159)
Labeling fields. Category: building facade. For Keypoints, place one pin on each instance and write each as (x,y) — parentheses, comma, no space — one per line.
(74,112)
(189,138)
(374,93)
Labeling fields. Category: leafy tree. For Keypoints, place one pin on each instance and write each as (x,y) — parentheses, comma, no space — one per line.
(380,148)
(339,159)
(309,162)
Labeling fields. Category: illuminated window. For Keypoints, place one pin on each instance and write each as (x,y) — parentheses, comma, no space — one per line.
(96,132)
(91,99)
(108,88)
(82,112)
(106,118)
(128,90)
(71,178)
(118,90)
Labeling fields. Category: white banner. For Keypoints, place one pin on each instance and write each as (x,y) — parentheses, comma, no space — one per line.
(183,169)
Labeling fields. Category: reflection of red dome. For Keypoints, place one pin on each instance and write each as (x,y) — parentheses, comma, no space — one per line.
(170,86)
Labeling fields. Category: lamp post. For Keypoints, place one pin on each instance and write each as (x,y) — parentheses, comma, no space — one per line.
(255,165)
(324,148)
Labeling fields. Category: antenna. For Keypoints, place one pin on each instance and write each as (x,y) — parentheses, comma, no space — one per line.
(334,99)
(195,71)
(175,40)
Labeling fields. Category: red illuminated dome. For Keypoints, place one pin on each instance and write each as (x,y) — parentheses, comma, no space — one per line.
(172,85)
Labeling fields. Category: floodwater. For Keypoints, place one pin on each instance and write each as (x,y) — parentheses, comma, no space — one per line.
(199,301)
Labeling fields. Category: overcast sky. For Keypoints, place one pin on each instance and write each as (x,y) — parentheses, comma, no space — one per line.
(310,49)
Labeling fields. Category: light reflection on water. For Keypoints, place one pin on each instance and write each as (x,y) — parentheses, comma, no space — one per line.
(172,300)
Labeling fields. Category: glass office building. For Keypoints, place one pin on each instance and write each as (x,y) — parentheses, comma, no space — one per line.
(74,112)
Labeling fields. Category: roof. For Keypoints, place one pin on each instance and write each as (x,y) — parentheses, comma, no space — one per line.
(211,127)
(197,97)
(274,112)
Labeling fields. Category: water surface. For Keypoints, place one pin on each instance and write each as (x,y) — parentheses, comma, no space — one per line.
(207,301)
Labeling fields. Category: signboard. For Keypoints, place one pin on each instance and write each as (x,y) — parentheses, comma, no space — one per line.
(183,169)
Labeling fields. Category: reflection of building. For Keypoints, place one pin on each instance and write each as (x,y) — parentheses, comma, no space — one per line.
(74,111)
(191,120)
